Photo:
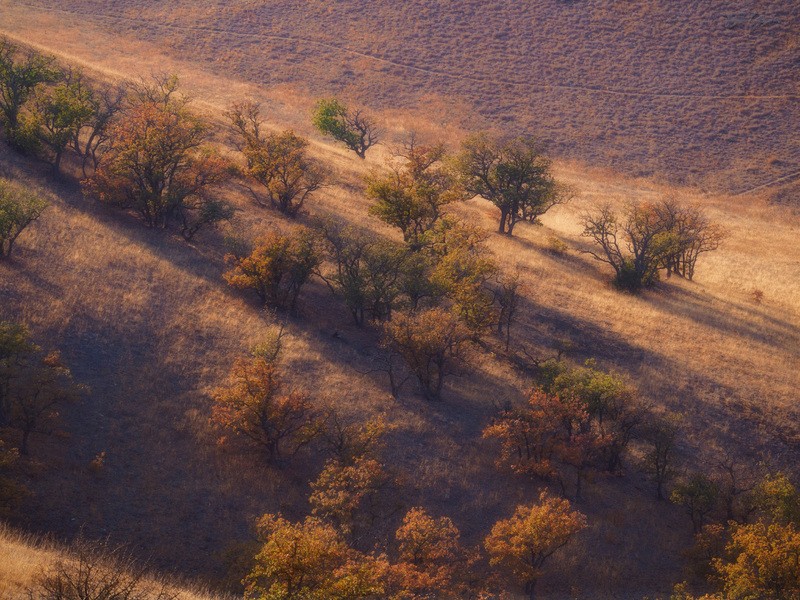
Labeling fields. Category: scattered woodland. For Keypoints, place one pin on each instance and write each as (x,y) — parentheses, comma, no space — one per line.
(342,361)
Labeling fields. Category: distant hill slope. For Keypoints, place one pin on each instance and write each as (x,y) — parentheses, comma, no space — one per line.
(699,92)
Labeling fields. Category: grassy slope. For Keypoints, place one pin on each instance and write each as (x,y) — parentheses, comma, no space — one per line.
(147,322)
(708,93)
(23,558)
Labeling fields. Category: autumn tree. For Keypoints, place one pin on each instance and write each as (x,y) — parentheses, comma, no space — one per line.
(256,405)
(61,112)
(513,174)
(21,73)
(277,268)
(759,559)
(634,244)
(647,237)
(310,560)
(158,163)
(507,294)
(523,543)
(763,561)
(777,499)
(348,441)
(530,436)
(661,435)
(38,391)
(431,562)
(430,341)
(344,492)
(93,138)
(19,207)
(548,437)
(350,126)
(34,385)
(698,495)
(413,194)
(462,270)
(609,401)
(277,162)
(365,271)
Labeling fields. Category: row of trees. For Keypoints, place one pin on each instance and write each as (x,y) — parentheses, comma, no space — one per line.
(148,152)
(139,147)
(318,557)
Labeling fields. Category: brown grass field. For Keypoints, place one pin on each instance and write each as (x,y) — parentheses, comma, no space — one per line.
(700,93)
(146,320)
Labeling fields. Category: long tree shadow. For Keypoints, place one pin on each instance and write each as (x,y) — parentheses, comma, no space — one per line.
(757,325)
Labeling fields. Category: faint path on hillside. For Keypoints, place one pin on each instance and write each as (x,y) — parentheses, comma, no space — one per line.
(770,183)
(411,67)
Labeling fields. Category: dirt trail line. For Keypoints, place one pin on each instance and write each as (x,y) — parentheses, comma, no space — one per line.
(411,67)
(769,183)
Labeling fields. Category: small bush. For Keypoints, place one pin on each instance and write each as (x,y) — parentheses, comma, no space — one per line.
(18,209)
(98,572)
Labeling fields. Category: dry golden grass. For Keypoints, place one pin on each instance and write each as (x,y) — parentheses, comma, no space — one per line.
(23,558)
(708,94)
(146,320)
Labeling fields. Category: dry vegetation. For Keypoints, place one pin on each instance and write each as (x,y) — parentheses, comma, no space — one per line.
(24,558)
(148,323)
(703,85)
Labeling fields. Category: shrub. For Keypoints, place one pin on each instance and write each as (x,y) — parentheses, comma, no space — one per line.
(351,127)
(278,162)
(429,341)
(98,572)
(277,268)
(18,209)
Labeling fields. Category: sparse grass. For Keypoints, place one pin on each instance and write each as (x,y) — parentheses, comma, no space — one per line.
(23,558)
(708,95)
(146,320)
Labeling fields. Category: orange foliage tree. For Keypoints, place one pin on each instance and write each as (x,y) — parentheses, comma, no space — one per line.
(278,267)
(429,341)
(764,562)
(431,562)
(341,490)
(547,433)
(523,543)
(256,405)
(311,561)
(279,162)
(158,163)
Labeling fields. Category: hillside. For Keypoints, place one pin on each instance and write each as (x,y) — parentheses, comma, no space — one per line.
(146,320)
(23,559)
(698,93)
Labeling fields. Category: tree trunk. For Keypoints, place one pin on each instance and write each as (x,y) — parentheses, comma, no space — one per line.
(530,589)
